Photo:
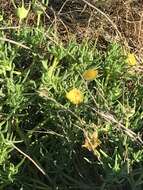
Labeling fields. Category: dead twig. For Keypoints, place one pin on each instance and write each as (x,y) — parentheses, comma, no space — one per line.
(29,158)
(14,42)
(106,16)
(110,118)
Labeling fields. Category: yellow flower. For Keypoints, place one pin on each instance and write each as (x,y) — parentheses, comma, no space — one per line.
(75,96)
(91,141)
(131,59)
(90,74)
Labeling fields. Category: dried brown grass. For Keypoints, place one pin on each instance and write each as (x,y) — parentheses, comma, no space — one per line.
(82,20)
(76,18)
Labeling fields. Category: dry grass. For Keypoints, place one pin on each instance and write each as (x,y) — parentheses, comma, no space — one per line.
(76,18)
(84,21)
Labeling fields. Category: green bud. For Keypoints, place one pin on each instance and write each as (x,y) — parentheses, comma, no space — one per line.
(21,12)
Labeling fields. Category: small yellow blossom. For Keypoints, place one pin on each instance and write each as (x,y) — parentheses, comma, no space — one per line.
(131,59)
(91,141)
(90,74)
(75,96)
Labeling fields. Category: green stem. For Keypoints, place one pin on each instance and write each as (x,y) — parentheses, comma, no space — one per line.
(38,19)
(106,80)
(13,4)
(53,67)
(127,122)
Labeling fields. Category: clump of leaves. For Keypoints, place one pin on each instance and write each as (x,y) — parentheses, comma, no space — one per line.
(62,94)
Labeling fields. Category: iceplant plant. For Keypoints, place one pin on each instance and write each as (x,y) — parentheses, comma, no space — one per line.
(21,12)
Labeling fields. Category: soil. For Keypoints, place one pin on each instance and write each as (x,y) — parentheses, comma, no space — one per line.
(80,19)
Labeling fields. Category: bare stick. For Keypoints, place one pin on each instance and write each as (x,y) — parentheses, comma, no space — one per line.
(14,42)
(105,15)
(9,27)
(29,158)
(111,119)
